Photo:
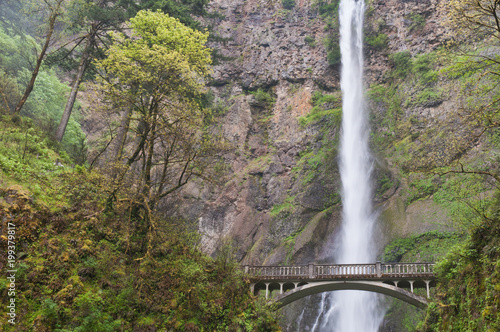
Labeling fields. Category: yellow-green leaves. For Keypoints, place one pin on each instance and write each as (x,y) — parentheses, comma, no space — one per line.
(156,75)
(161,53)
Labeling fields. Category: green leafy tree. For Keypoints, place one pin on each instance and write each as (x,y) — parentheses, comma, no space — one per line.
(52,12)
(95,18)
(158,75)
(474,40)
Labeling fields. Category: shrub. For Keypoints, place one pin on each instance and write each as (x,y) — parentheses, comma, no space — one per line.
(310,41)
(263,98)
(417,21)
(401,62)
(288,4)
(378,42)
(334,57)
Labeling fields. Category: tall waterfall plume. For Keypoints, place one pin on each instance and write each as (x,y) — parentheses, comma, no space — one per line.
(354,311)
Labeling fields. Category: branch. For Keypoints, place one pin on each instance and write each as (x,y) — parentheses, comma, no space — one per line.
(463,171)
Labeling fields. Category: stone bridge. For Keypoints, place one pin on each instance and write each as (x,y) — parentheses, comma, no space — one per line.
(295,282)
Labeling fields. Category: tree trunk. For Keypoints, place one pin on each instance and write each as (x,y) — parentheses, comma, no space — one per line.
(72,96)
(52,20)
(149,159)
(121,136)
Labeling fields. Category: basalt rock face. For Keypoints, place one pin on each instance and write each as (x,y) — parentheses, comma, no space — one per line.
(281,198)
(266,199)
(280,202)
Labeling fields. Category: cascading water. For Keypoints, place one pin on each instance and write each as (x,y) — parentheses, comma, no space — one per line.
(354,311)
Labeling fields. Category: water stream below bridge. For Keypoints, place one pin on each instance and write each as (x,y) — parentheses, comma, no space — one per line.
(353,311)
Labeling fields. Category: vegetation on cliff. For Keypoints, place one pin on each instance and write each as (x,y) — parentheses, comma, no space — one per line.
(452,161)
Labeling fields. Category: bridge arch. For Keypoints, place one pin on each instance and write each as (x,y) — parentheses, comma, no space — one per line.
(371,286)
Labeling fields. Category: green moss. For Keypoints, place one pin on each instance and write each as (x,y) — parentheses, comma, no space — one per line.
(310,41)
(331,116)
(284,209)
(467,294)
(263,97)
(426,247)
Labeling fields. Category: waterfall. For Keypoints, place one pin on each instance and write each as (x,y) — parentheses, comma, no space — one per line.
(354,311)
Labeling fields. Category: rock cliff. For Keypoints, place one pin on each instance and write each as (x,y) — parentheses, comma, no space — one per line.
(281,200)
(278,97)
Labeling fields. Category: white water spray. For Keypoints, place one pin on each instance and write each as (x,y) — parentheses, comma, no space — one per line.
(354,311)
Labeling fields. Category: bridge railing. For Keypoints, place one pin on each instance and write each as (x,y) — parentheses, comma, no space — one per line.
(407,269)
(345,270)
(278,271)
(337,271)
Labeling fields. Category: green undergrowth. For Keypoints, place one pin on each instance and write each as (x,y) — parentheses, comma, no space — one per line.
(84,270)
(411,83)
(29,158)
(80,268)
(468,290)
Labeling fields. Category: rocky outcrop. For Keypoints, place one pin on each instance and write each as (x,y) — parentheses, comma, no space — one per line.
(281,200)
(280,203)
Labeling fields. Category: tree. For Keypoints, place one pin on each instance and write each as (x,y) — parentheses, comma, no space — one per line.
(473,18)
(52,10)
(94,19)
(97,17)
(157,75)
(475,38)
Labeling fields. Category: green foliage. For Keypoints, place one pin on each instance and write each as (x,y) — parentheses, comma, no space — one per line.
(378,42)
(65,282)
(158,75)
(327,110)
(324,100)
(263,98)
(468,290)
(425,247)
(288,4)
(332,46)
(427,98)
(48,98)
(422,67)
(401,63)
(310,41)
(331,117)
(328,7)
(15,51)
(185,11)
(284,209)
(9,92)
(388,97)
(328,10)
(417,22)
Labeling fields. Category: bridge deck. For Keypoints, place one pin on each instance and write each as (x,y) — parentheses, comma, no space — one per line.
(375,271)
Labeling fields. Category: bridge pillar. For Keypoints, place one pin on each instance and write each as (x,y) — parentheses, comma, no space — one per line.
(427,282)
(311,271)
(379,269)
(411,284)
